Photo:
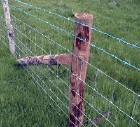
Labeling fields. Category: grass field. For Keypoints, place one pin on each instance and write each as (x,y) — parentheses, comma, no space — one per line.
(26,99)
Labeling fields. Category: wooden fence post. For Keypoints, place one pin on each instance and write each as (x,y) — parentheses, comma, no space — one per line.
(79,60)
(10,30)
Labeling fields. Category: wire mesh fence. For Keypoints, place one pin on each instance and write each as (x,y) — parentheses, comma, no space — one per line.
(107,102)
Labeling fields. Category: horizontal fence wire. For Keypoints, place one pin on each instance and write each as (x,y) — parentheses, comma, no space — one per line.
(102,100)
(71,34)
(59,45)
(26,25)
(69,19)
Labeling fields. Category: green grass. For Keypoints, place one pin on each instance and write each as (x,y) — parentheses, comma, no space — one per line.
(22,101)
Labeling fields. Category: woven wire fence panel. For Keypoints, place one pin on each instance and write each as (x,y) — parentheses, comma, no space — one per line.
(107,102)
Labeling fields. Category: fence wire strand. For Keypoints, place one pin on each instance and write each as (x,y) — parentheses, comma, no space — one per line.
(69,19)
(27,44)
(70,34)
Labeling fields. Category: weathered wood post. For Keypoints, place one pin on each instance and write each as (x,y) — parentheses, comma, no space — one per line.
(80,56)
(10,30)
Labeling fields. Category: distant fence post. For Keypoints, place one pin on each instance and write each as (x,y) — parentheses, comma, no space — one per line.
(79,60)
(10,30)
